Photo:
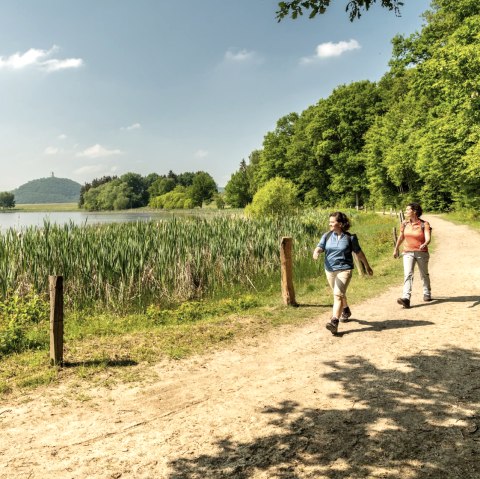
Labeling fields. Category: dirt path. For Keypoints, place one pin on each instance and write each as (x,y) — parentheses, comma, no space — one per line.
(396,396)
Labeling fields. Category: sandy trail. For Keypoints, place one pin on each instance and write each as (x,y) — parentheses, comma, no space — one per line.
(396,396)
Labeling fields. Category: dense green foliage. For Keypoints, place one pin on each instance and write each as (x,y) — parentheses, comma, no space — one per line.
(48,190)
(414,135)
(277,197)
(7,200)
(131,190)
(354,8)
(23,323)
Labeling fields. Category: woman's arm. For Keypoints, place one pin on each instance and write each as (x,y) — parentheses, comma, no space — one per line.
(428,237)
(399,242)
(317,252)
(361,256)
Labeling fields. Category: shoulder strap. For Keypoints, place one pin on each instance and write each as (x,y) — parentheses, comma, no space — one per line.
(422,222)
(347,234)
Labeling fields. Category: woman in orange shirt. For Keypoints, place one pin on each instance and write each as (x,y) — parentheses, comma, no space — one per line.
(417,235)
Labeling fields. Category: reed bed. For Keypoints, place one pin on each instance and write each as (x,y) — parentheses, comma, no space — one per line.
(137,263)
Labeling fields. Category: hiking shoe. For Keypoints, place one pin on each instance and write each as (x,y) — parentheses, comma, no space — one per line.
(346,313)
(404,302)
(427,297)
(332,326)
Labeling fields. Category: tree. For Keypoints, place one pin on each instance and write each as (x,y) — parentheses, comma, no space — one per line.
(161,186)
(237,190)
(277,197)
(7,200)
(94,184)
(203,188)
(139,188)
(354,8)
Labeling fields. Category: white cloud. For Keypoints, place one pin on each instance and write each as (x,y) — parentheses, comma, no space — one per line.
(241,56)
(94,169)
(62,137)
(134,126)
(98,151)
(50,150)
(201,154)
(41,59)
(55,65)
(330,49)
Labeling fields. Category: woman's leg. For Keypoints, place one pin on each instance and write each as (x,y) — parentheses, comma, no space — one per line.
(422,259)
(408,268)
(331,276)
(342,280)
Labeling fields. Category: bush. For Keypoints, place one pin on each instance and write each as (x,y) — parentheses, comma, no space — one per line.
(277,197)
(23,323)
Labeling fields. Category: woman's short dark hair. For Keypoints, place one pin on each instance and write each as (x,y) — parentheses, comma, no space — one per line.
(417,208)
(342,219)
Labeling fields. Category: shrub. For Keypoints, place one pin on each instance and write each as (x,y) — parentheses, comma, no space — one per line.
(23,323)
(277,197)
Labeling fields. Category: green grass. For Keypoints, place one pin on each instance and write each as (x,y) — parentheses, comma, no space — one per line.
(465,217)
(47,207)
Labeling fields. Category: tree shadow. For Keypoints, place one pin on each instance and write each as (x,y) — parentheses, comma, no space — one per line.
(305,305)
(450,299)
(419,421)
(384,325)
(115,363)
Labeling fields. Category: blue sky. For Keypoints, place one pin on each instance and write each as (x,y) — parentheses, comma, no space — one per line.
(98,87)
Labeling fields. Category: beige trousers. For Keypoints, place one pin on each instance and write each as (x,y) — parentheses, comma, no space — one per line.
(339,281)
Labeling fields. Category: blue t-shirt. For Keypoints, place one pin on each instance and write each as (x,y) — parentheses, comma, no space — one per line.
(338,252)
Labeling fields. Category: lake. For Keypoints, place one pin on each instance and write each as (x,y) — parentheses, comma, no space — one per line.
(23,219)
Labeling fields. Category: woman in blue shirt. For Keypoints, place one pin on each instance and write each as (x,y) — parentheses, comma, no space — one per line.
(338,246)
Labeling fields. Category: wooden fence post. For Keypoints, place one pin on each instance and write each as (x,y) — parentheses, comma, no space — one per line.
(56,320)
(288,292)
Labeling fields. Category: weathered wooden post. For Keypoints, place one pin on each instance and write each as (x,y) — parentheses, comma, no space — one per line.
(288,292)
(56,320)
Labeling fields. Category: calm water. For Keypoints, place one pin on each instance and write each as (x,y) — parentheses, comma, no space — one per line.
(19,220)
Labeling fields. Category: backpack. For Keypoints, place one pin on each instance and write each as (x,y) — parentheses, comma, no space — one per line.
(346,233)
(422,224)
(361,267)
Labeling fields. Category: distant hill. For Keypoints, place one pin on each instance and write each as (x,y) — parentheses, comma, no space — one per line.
(48,190)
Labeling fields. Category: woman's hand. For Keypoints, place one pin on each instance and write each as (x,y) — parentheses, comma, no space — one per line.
(395,252)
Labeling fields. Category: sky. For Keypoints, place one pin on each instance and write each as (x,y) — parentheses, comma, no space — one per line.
(105,87)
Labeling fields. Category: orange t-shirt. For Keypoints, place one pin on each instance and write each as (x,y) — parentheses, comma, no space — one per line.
(414,235)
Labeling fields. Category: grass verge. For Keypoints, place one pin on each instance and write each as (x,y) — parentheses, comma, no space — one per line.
(107,349)
(464,217)
(47,207)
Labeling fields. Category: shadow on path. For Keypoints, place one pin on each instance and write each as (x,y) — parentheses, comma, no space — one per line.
(383,325)
(100,362)
(450,299)
(418,421)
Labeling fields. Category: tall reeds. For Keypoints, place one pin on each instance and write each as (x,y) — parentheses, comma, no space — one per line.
(127,264)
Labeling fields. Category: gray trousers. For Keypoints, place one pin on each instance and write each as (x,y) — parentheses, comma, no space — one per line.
(409,260)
